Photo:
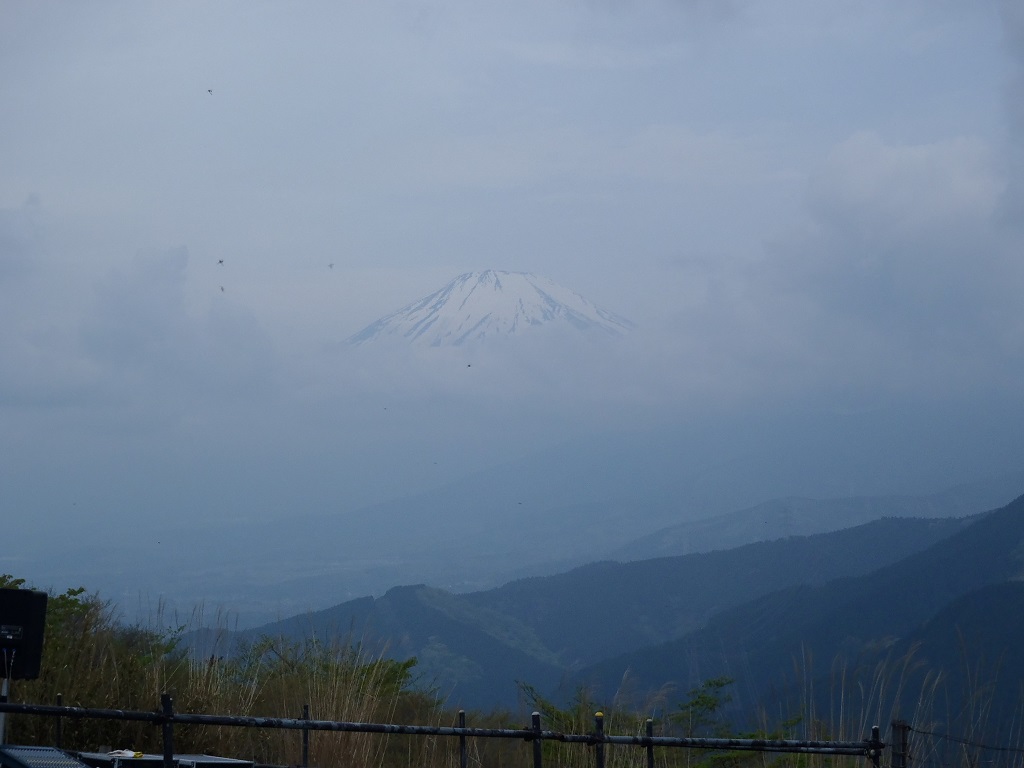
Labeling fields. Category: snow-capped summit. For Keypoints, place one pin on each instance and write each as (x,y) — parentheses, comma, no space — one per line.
(480,305)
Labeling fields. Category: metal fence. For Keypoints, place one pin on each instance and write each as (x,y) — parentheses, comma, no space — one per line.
(166,718)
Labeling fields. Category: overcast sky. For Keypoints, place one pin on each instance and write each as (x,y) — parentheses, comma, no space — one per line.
(795,202)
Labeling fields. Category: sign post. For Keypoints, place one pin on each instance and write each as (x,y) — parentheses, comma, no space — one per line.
(22,620)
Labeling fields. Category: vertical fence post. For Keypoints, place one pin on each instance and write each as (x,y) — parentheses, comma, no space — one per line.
(876,746)
(463,755)
(650,747)
(599,740)
(5,689)
(167,704)
(900,744)
(58,736)
(305,737)
(538,745)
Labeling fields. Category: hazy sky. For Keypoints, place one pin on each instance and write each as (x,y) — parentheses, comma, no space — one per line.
(796,202)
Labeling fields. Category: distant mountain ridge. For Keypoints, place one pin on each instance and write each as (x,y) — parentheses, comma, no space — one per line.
(484,305)
(482,533)
(476,646)
(805,516)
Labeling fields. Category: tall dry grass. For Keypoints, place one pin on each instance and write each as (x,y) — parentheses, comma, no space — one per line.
(91,660)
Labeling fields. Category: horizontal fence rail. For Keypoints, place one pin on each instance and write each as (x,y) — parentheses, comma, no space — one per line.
(166,718)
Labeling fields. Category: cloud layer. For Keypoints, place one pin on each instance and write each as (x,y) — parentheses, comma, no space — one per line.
(800,206)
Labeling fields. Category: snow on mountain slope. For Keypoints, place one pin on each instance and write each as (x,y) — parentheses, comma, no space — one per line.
(481,305)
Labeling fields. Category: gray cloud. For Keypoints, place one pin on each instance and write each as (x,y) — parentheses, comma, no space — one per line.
(901,279)
(1012,208)
(902,233)
(19,240)
(141,330)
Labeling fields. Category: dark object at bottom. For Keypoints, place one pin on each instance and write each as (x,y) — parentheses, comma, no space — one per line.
(37,757)
(104,760)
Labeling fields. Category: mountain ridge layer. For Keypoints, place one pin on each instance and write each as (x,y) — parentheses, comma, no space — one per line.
(537,630)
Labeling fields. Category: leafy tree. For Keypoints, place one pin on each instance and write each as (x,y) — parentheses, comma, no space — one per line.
(700,714)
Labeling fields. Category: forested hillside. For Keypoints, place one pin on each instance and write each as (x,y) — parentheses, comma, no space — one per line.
(947,613)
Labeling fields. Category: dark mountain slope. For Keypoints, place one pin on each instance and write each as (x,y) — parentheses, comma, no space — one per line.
(808,627)
(651,601)
(960,674)
(976,639)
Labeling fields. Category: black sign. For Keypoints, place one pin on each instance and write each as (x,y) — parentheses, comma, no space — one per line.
(22,620)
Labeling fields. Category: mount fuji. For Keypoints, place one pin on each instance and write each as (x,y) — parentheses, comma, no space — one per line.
(484,305)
